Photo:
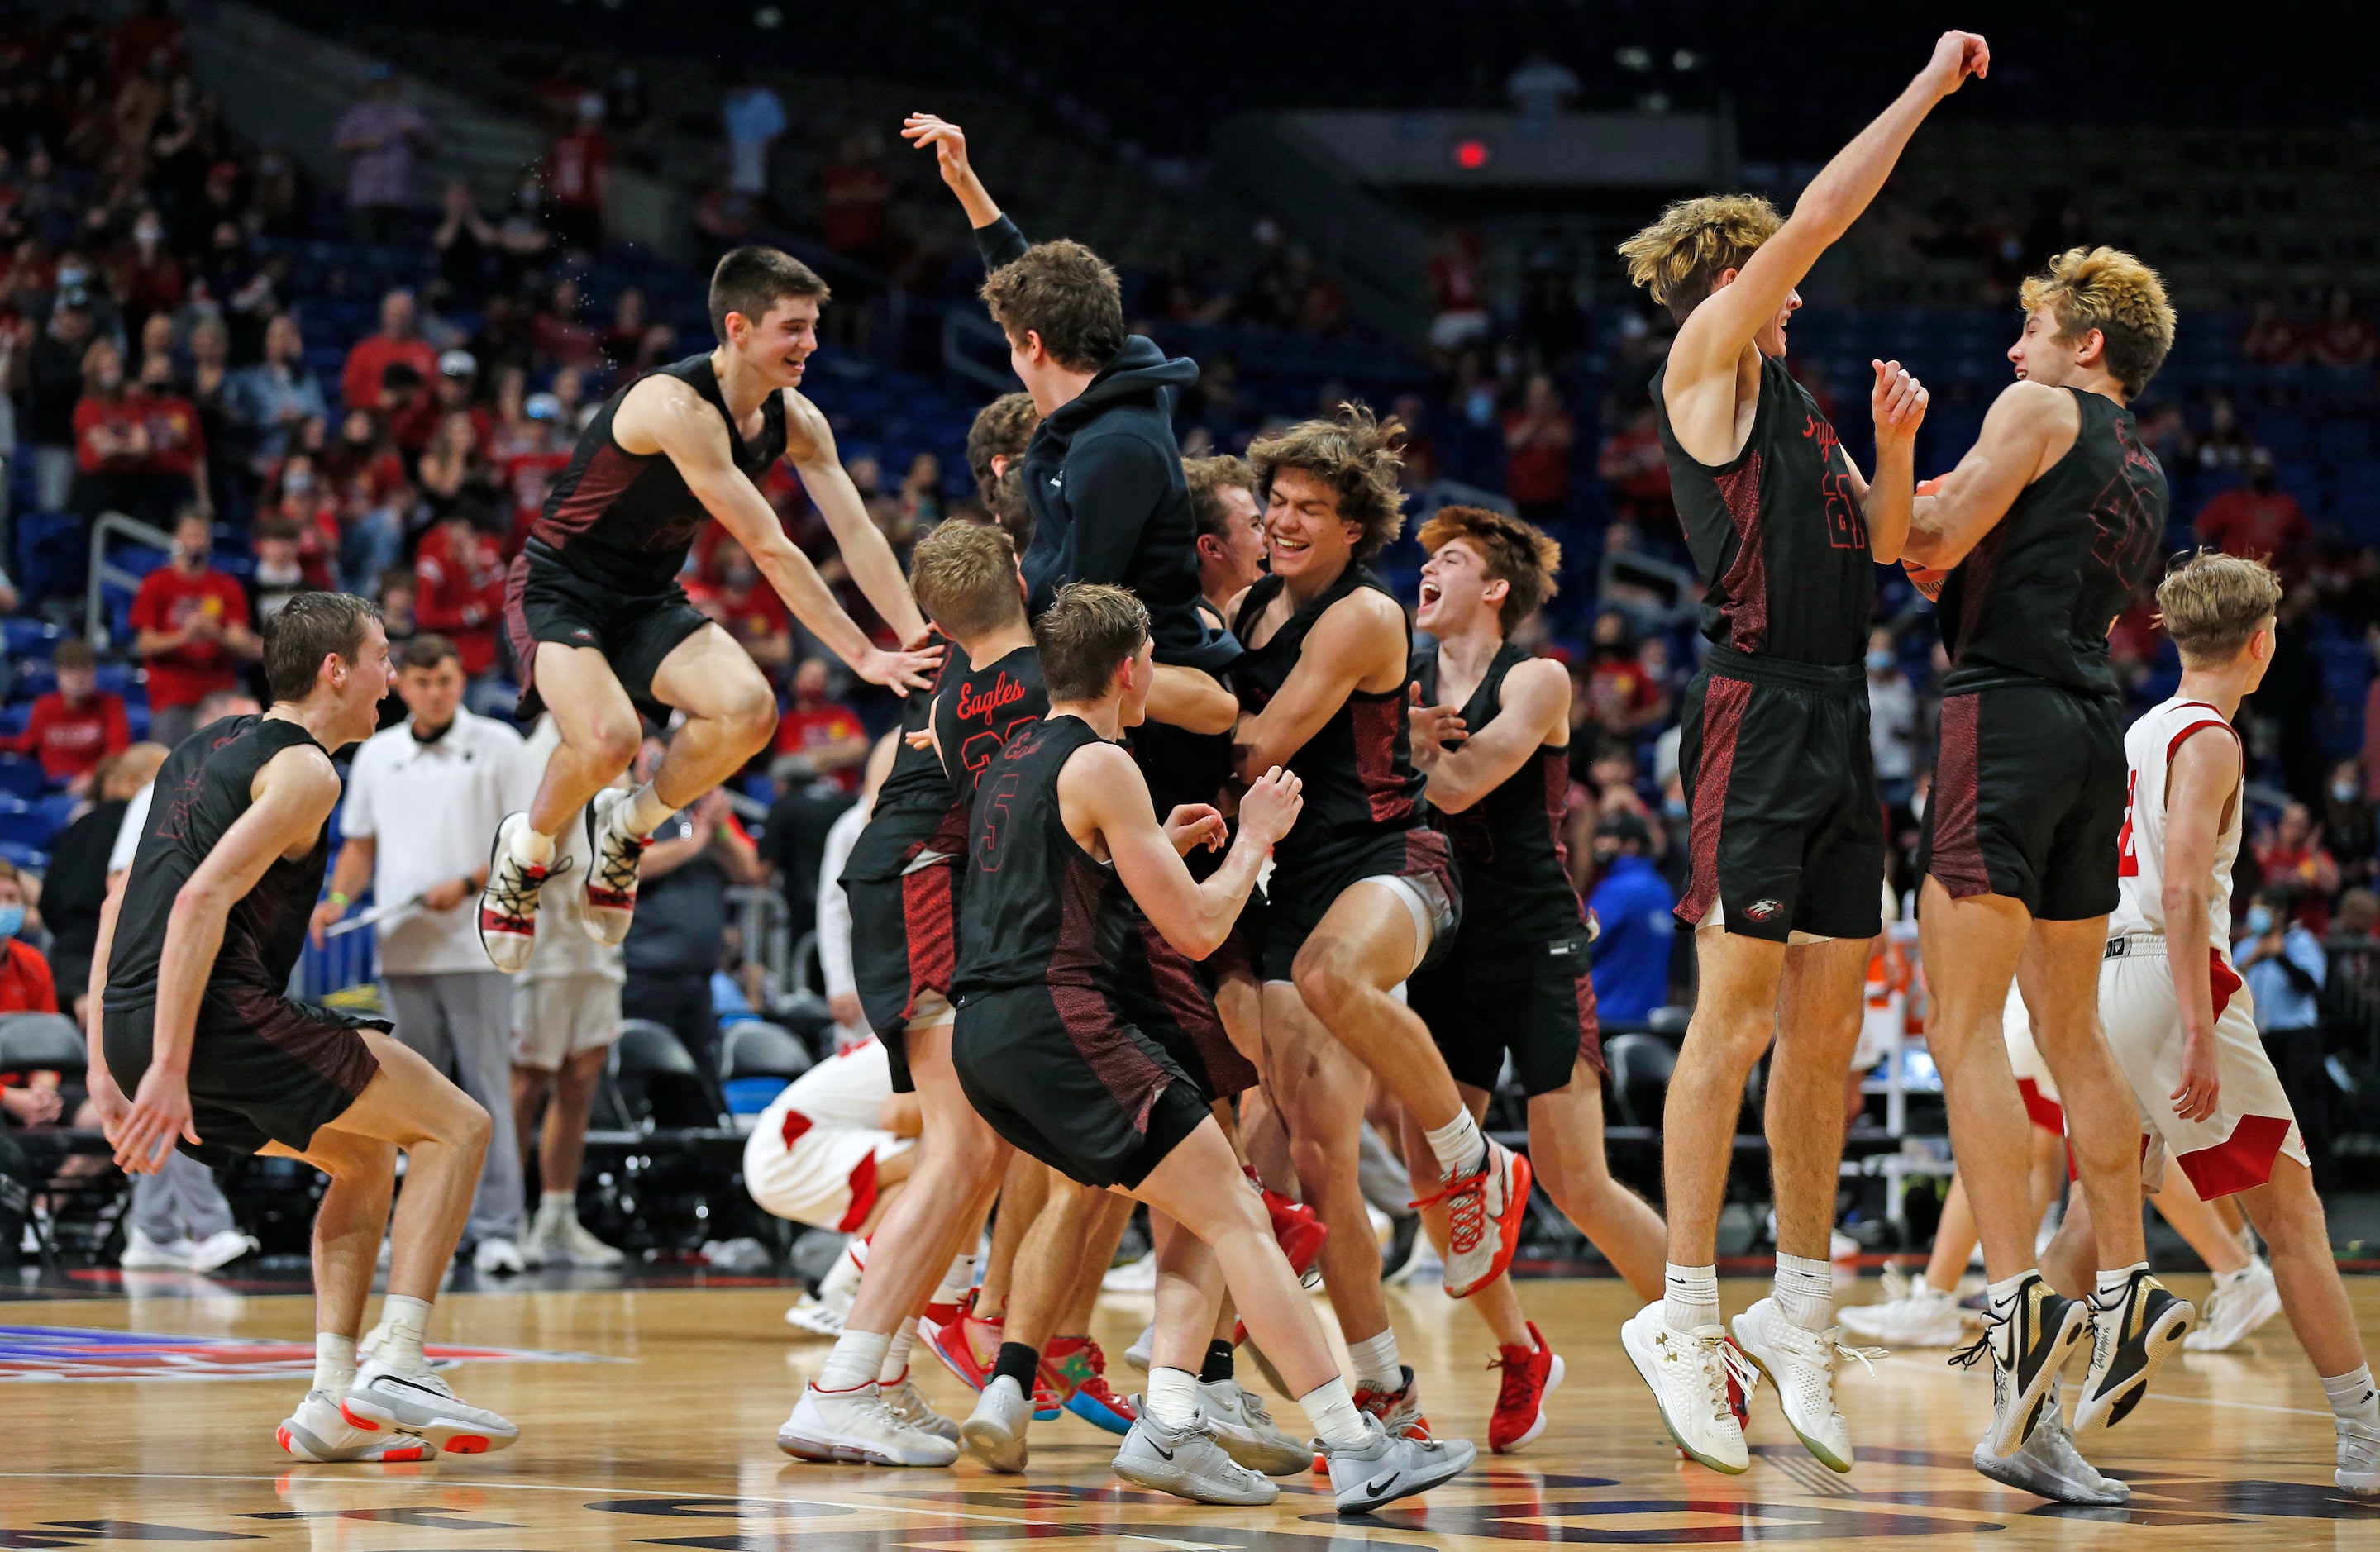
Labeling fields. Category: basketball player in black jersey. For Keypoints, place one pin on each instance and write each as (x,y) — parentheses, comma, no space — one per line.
(1787,837)
(1064,843)
(1492,732)
(1364,892)
(191,1018)
(2047,528)
(601,627)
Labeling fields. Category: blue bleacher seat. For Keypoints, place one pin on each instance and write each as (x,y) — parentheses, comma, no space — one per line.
(29,638)
(32,859)
(21,778)
(25,825)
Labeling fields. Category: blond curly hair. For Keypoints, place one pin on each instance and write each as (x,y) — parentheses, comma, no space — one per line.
(1679,256)
(2108,289)
(1356,455)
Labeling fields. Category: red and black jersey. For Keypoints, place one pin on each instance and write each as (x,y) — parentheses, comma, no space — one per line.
(1037,910)
(913,802)
(1516,888)
(978,710)
(627,519)
(1777,531)
(202,790)
(2032,600)
(1357,768)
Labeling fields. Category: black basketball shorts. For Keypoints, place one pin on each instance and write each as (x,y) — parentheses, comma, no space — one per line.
(1787,833)
(1171,999)
(545,600)
(904,950)
(262,1069)
(2029,790)
(1062,1075)
(1302,893)
(1535,1002)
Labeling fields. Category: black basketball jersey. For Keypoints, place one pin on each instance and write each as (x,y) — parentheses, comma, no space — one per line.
(1357,768)
(2034,598)
(914,800)
(626,519)
(1516,888)
(1037,908)
(201,790)
(978,709)
(1776,532)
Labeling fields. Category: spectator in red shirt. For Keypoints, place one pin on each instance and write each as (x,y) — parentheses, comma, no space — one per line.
(745,606)
(1621,695)
(459,585)
(25,983)
(559,337)
(178,441)
(2292,852)
(855,197)
(417,426)
(194,631)
(2345,338)
(399,340)
(77,725)
(1632,463)
(111,430)
(826,733)
(2255,520)
(1537,440)
(579,178)
(2271,339)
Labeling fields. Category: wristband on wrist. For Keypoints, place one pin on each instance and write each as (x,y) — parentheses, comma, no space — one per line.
(340,900)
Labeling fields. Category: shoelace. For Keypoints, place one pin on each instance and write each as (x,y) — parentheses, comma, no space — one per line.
(1980,1351)
(1733,1366)
(616,870)
(1466,1209)
(514,887)
(1898,1285)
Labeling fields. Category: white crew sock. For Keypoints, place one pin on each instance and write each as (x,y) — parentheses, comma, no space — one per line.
(402,1322)
(1377,1365)
(1690,1296)
(896,1353)
(2109,1293)
(956,1280)
(2352,1400)
(1172,1397)
(1458,1147)
(841,1284)
(642,814)
(1806,1291)
(1332,1413)
(530,847)
(334,1362)
(559,1207)
(857,1359)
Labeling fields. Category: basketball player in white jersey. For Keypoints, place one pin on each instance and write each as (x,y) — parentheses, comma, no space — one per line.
(2178,1018)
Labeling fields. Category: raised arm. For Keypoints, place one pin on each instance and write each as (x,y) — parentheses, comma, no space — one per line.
(1360,637)
(293,798)
(2028,427)
(1897,402)
(1714,334)
(669,417)
(2202,782)
(1534,703)
(866,553)
(1101,793)
(948,143)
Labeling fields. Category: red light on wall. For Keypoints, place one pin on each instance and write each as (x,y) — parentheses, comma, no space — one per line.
(1472,156)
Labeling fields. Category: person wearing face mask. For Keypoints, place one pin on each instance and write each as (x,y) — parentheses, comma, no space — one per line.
(53,386)
(2284,966)
(2346,822)
(175,467)
(194,631)
(1633,903)
(1891,718)
(271,402)
(145,273)
(25,983)
(2257,519)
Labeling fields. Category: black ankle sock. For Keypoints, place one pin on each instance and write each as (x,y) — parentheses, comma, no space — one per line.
(1018,1362)
(1218,1366)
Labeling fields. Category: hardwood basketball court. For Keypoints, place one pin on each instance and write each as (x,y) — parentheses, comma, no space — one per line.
(648,1420)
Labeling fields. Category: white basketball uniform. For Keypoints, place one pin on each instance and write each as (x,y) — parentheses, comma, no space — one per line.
(2042,1105)
(813,1155)
(2234,1148)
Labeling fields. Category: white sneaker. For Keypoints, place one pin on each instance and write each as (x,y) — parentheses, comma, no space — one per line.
(2358,1457)
(508,903)
(1483,1220)
(497,1257)
(1390,1466)
(1800,1364)
(581,1249)
(1133,1277)
(143,1254)
(1246,1431)
(994,1431)
(908,1404)
(1841,1246)
(2048,1466)
(220,1250)
(855,1427)
(424,1405)
(1688,1373)
(815,1316)
(1189,1463)
(1143,1350)
(1912,1313)
(318,1431)
(611,879)
(2237,1307)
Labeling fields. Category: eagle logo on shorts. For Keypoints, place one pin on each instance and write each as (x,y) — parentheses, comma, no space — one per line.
(1761,910)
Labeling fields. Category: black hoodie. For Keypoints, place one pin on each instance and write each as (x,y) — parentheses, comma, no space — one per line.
(1103,476)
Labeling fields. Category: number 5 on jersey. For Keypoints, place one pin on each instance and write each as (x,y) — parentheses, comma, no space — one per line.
(992,821)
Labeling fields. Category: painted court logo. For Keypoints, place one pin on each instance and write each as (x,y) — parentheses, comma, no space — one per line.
(75,1353)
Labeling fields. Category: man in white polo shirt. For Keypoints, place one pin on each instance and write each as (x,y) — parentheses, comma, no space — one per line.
(433,789)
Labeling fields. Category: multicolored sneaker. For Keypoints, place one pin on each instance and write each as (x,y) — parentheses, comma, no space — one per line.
(612,880)
(317,1431)
(2130,1339)
(508,903)
(1076,1371)
(1298,1230)
(967,1344)
(1483,1220)
(1531,1374)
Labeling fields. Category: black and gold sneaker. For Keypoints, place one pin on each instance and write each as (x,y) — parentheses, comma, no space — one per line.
(2027,1348)
(2130,1339)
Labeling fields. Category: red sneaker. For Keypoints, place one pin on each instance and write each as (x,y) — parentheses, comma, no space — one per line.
(968,1345)
(1484,1213)
(1530,1375)
(1295,1226)
(1075,1371)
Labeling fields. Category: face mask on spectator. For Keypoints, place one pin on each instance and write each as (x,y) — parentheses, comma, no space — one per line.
(1673,807)
(2259,921)
(2343,791)
(12,921)
(72,275)
(1880,661)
